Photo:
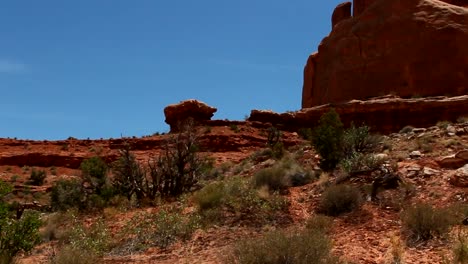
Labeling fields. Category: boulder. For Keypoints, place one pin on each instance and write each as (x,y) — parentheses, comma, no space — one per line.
(462,155)
(341,12)
(451,162)
(460,177)
(414,48)
(198,111)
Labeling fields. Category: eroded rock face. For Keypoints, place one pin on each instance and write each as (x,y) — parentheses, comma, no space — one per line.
(341,12)
(196,110)
(385,115)
(406,48)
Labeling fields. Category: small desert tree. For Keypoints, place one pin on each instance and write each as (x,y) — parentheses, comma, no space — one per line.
(178,167)
(129,175)
(327,139)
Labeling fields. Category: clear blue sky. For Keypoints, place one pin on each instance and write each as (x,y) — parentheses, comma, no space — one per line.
(106,68)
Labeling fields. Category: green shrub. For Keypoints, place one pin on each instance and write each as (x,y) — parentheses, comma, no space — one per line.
(236,199)
(67,194)
(37,177)
(359,140)
(338,199)
(327,140)
(422,222)
(305,133)
(210,196)
(282,175)
(359,162)
(306,247)
(159,229)
(94,238)
(94,171)
(16,235)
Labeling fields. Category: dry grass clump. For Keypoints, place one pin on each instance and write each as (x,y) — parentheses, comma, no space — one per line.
(70,255)
(297,247)
(422,222)
(339,199)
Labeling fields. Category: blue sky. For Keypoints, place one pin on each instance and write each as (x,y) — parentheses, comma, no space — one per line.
(106,68)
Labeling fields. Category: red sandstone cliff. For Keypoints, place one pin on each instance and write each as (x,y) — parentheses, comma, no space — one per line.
(401,47)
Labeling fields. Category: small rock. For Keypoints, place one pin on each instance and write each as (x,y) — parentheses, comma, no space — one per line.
(451,129)
(415,154)
(419,130)
(421,135)
(460,177)
(427,172)
(451,162)
(381,156)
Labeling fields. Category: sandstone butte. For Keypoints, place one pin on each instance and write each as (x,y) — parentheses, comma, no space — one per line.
(407,48)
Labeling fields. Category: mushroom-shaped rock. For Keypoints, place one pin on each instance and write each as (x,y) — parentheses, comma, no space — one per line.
(189,109)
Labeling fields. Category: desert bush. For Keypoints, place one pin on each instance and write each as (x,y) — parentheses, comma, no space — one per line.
(305,133)
(66,194)
(94,238)
(422,222)
(327,140)
(16,234)
(179,167)
(319,222)
(282,175)
(459,254)
(358,162)
(210,196)
(307,247)
(94,170)
(159,229)
(37,177)
(360,140)
(338,199)
(236,199)
(129,175)
(70,255)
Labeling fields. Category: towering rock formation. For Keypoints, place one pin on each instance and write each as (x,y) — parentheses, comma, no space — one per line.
(409,48)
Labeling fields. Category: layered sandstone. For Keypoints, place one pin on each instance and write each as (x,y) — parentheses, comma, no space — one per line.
(385,115)
(407,48)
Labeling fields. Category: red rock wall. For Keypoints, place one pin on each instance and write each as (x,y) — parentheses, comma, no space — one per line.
(341,12)
(360,5)
(407,48)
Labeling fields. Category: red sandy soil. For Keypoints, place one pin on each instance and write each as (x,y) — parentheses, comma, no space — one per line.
(362,236)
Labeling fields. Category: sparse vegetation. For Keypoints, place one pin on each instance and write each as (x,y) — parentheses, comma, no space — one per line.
(236,199)
(282,175)
(298,247)
(16,235)
(159,229)
(422,222)
(338,199)
(37,177)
